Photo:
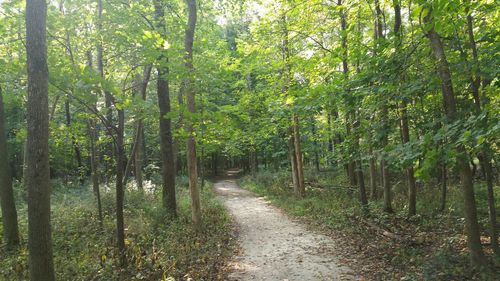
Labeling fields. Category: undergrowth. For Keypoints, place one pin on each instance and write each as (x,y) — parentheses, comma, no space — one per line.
(158,247)
(429,246)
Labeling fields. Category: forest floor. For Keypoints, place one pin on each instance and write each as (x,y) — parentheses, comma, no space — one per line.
(158,246)
(275,247)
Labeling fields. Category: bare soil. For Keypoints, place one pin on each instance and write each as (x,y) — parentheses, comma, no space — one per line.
(275,247)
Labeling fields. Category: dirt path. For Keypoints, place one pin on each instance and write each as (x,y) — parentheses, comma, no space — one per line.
(274,247)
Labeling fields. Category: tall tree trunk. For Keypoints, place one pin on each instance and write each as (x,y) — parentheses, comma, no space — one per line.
(485,154)
(315,144)
(94,153)
(359,164)
(372,169)
(129,162)
(298,156)
(384,116)
(293,162)
(202,149)
(166,140)
(41,263)
(410,175)
(386,184)
(351,166)
(94,167)
(331,136)
(108,151)
(120,190)
(25,161)
(470,211)
(166,151)
(7,203)
(444,183)
(405,130)
(180,101)
(191,106)
(139,155)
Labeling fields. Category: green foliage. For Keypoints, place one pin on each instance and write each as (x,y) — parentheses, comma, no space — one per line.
(157,246)
(329,207)
(257,62)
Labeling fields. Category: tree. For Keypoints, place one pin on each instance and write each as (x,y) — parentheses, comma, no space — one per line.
(166,139)
(7,203)
(191,106)
(139,154)
(41,263)
(386,179)
(470,211)
(485,154)
(295,149)
(405,131)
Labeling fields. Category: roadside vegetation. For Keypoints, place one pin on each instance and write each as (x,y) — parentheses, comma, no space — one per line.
(381,246)
(158,247)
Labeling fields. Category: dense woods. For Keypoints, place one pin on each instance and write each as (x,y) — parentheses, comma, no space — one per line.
(369,118)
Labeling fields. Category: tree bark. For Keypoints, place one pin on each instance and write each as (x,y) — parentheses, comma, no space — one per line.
(384,116)
(444,188)
(293,162)
(351,165)
(120,190)
(108,99)
(359,165)
(330,136)
(315,143)
(405,130)
(139,155)
(41,263)
(298,156)
(166,139)
(485,154)
(166,142)
(477,257)
(94,167)
(386,183)
(191,106)
(94,154)
(373,169)
(7,202)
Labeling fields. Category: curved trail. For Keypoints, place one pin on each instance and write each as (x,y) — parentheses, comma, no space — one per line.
(273,246)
